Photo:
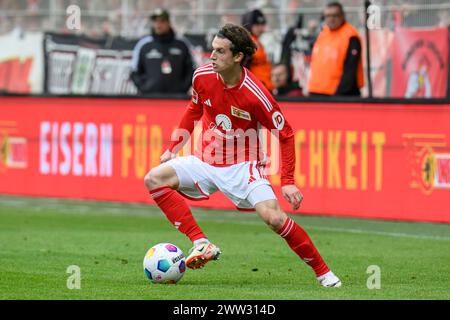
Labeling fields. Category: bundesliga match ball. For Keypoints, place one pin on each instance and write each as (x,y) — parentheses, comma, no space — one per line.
(164,263)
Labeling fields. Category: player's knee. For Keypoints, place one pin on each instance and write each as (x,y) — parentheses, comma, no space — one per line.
(276,222)
(153,179)
(273,218)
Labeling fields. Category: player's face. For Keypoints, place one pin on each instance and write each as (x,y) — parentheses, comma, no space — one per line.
(221,56)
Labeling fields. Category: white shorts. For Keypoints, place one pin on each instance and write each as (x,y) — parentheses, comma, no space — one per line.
(243,183)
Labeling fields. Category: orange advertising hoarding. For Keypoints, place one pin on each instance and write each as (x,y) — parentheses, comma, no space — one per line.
(389,161)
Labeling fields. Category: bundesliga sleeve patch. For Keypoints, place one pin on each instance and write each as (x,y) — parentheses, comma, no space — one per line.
(194,96)
(240,113)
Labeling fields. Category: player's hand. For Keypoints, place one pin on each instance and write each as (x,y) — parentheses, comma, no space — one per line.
(265,162)
(293,195)
(166,156)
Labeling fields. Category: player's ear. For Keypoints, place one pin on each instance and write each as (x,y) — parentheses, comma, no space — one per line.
(238,57)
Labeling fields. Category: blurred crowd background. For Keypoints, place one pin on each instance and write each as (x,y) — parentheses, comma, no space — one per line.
(397,38)
(129,18)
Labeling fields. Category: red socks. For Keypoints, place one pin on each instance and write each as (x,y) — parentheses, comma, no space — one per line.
(301,244)
(177,211)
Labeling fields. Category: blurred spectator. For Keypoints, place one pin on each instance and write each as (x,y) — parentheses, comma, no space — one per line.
(413,17)
(336,62)
(162,62)
(298,39)
(282,83)
(255,22)
(444,18)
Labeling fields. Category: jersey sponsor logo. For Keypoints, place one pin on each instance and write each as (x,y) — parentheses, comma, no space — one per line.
(223,122)
(278,120)
(240,113)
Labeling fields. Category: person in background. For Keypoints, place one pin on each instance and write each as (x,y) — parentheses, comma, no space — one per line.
(282,83)
(255,22)
(162,62)
(299,39)
(336,61)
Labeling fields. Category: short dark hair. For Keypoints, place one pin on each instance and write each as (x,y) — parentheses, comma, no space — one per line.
(241,40)
(336,4)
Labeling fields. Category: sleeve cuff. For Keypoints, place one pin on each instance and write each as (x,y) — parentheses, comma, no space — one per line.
(287,181)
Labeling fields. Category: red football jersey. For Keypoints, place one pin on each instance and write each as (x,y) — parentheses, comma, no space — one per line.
(231,120)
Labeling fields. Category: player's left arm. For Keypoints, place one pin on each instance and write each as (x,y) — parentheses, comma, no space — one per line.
(271,117)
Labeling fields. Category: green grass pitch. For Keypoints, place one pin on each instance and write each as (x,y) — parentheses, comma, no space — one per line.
(40,238)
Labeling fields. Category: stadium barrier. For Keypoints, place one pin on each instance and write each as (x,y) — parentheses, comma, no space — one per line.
(406,62)
(359,159)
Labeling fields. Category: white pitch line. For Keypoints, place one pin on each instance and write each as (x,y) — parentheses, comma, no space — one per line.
(119,208)
(333,229)
(381,233)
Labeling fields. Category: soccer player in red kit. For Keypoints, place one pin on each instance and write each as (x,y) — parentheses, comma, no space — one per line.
(231,103)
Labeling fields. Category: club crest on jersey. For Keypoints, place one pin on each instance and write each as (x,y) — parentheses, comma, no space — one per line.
(240,113)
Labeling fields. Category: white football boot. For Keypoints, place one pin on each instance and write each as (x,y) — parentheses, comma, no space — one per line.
(201,254)
(329,279)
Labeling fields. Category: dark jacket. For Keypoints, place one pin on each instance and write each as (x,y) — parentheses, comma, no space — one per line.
(349,84)
(295,40)
(162,64)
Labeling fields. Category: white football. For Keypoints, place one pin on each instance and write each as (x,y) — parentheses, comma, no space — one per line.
(164,263)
